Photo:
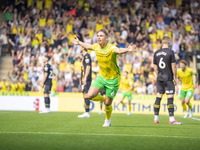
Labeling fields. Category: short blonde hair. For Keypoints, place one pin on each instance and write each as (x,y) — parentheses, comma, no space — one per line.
(183,62)
(166,40)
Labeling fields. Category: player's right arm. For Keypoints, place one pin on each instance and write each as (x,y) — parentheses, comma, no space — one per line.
(45,75)
(87,71)
(174,70)
(155,67)
(194,73)
(173,66)
(76,41)
(178,78)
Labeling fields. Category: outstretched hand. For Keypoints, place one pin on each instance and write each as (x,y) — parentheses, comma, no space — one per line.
(131,47)
(75,41)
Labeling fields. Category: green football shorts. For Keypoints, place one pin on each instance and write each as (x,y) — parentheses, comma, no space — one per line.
(185,94)
(111,85)
(129,95)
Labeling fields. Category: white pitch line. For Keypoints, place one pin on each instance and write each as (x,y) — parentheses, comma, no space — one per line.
(195,118)
(191,118)
(98,134)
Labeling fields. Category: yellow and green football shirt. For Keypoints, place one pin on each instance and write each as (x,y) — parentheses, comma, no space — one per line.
(107,59)
(42,22)
(13,87)
(54,86)
(4,86)
(125,84)
(186,77)
(21,87)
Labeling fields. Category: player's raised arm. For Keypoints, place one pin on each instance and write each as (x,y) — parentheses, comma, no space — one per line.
(130,48)
(76,41)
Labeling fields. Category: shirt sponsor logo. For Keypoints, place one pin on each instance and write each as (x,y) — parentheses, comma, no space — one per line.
(46,68)
(168,92)
(87,61)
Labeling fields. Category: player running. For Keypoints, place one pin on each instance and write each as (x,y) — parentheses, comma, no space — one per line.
(165,68)
(109,77)
(126,87)
(86,79)
(184,75)
(47,83)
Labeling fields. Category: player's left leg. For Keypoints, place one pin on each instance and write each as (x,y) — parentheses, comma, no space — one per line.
(184,107)
(157,108)
(108,109)
(187,101)
(101,107)
(160,91)
(93,94)
(123,95)
(129,103)
(47,90)
(86,114)
(182,97)
(170,90)
(170,106)
(122,98)
(102,103)
(112,87)
(95,89)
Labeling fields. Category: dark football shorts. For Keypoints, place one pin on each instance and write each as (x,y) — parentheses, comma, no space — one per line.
(167,87)
(86,87)
(103,92)
(47,89)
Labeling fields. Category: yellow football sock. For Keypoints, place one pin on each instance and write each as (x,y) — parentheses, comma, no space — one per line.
(99,98)
(184,107)
(190,106)
(123,103)
(129,108)
(108,111)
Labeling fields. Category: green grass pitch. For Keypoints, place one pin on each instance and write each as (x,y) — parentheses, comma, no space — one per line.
(63,130)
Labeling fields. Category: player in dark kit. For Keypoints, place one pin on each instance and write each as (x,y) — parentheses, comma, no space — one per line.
(102,103)
(165,68)
(47,83)
(86,79)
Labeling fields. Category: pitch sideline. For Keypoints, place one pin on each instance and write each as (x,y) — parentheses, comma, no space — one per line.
(96,134)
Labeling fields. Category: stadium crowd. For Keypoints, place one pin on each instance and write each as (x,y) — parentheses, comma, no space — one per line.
(34,28)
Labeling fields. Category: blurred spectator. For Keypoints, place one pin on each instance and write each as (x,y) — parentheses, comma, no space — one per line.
(41,28)
(21,85)
(60,86)
(13,86)
(13,77)
(68,86)
(29,86)
(75,83)
(4,43)
(4,85)
(37,86)
(150,87)
(142,88)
